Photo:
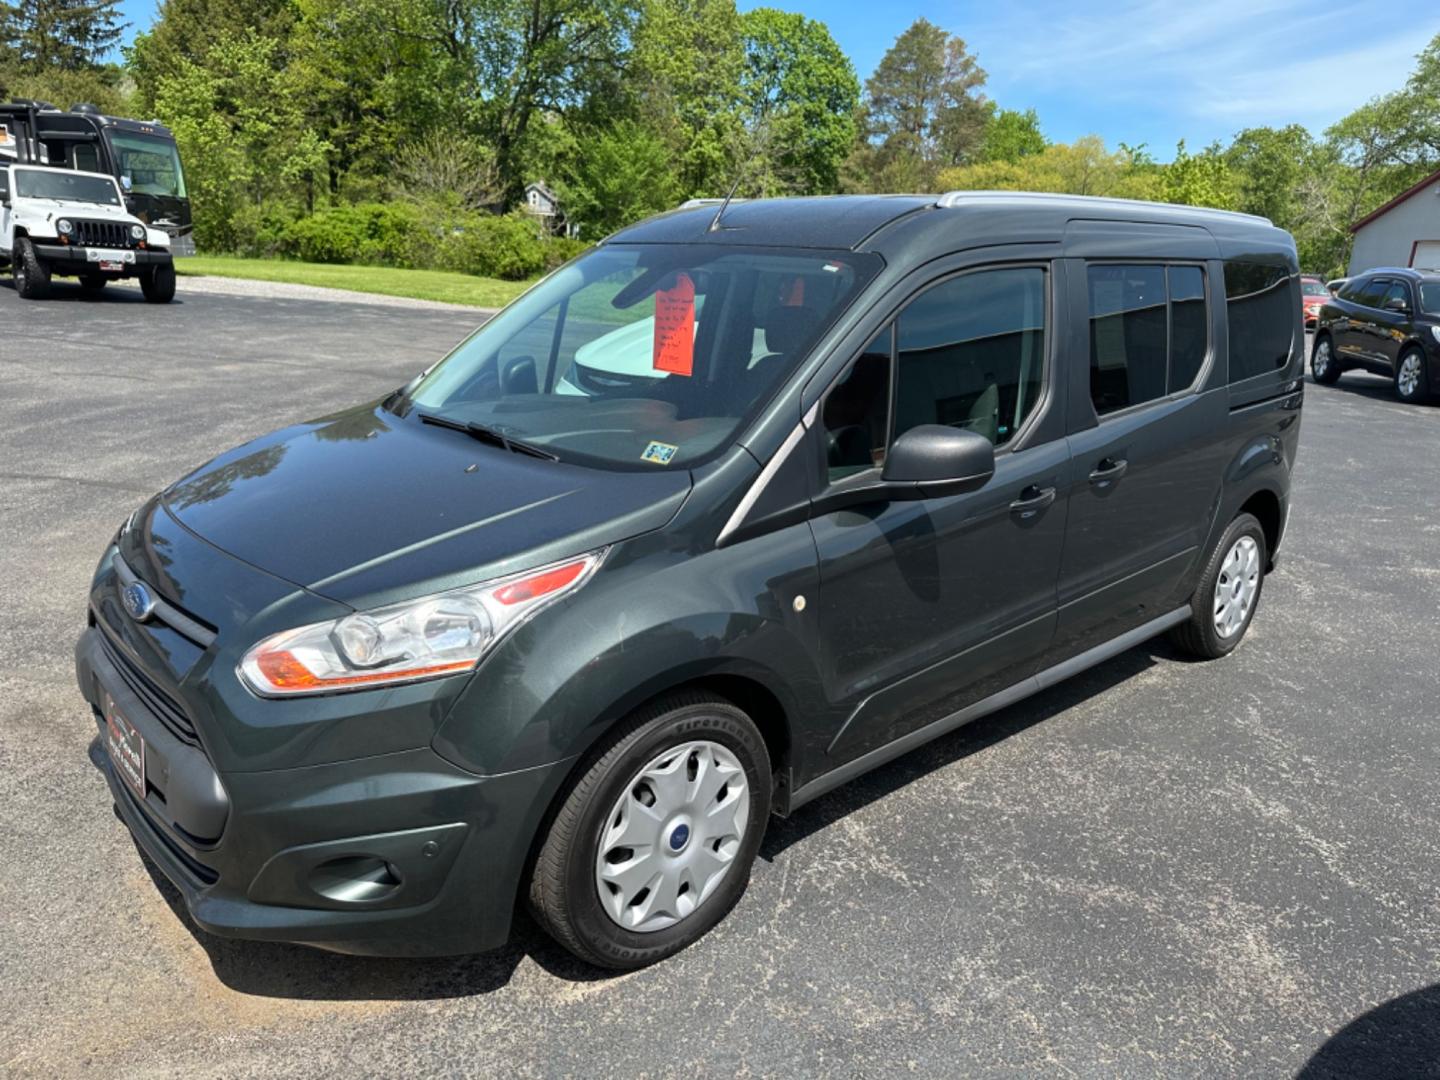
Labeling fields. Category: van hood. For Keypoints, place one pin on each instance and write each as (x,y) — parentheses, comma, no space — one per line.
(366,508)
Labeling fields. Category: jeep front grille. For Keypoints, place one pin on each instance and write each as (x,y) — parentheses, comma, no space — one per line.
(107,234)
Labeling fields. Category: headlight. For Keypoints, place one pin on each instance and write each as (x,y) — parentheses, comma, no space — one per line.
(137,232)
(436,635)
(63,227)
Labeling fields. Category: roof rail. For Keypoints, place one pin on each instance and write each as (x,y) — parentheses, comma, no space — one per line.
(690,204)
(962,198)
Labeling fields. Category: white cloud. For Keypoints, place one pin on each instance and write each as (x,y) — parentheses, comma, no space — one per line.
(1244,61)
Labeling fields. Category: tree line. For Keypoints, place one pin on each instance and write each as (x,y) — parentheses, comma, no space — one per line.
(347,128)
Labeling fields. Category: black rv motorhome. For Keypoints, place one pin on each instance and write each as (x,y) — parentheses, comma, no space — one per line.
(141,155)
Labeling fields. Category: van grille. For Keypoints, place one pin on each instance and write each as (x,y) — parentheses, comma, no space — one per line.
(164,707)
(111,234)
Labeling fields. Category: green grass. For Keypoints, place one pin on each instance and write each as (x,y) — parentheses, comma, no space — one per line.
(415,284)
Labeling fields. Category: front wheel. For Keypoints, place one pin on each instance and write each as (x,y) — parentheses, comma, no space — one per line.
(158,283)
(32,277)
(1323,364)
(1224,601)
(1410,382)
(654,842)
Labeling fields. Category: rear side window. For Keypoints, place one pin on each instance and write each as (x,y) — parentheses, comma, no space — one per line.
(1261,312)
(1149,333)
(971,353)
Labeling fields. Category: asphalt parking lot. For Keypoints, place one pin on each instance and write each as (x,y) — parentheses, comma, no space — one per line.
(1159,868)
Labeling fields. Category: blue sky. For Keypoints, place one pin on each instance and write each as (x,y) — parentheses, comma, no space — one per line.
(1147,71)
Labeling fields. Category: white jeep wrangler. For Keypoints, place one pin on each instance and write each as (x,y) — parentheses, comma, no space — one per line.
(74,224)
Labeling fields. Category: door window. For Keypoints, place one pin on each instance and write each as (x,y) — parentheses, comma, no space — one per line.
(1370,293)
(1261,311)
(1397,291)
(1189,325)
(970,353)
(1128,336)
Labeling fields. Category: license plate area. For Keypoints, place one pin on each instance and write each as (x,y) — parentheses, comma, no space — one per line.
(126,748)
(108,258)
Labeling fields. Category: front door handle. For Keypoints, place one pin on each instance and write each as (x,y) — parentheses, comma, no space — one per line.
(1108,471)
(1032,500)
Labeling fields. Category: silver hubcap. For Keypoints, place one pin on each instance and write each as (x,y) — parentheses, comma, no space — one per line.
(672,836)
(1322,358)
(1409,375)
(1236,586)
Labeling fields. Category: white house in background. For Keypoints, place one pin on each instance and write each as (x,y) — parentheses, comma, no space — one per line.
(1403,232)
(545,205)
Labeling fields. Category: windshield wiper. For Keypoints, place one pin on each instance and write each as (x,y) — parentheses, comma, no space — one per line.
(493,436)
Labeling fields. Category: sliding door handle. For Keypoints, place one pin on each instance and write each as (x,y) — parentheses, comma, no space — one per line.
(1108,471)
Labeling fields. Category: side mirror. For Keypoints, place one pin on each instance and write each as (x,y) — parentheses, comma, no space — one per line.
(933,460)
(1397,304)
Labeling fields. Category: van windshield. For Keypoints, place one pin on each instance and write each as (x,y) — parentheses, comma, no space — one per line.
(57,184)
(645,356)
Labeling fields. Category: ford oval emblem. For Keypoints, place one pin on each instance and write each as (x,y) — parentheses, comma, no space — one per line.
(137,600)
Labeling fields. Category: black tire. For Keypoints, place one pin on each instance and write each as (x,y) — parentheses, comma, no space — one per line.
(158,283)
(1421,391)
(564,894)
(1326,372)
(92,283)
(1199,635)
(32,277)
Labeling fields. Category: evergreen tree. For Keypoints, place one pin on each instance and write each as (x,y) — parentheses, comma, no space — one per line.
(64,35)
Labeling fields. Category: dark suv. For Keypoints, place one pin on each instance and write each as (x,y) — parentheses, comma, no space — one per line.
(736,506)
(1386,321)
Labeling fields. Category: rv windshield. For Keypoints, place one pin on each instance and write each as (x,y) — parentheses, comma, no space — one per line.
(644,356)
(71,186)
(148,164)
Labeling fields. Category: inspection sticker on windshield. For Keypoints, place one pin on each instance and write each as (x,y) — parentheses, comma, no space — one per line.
(675,329)
(659,453)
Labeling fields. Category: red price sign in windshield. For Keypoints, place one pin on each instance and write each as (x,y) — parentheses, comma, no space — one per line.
(675,327)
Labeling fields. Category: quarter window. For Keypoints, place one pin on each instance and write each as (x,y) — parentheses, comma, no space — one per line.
(1189,325)
(970,353)
(1261,309)
(856,415)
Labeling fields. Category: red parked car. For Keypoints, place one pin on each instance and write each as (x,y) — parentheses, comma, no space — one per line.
(1313,293)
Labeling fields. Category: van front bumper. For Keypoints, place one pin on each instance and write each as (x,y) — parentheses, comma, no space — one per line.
(401,854)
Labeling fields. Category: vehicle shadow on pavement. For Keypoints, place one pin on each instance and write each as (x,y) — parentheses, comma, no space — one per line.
(1399,1038)
(71,292)
(272,969)
(960,744)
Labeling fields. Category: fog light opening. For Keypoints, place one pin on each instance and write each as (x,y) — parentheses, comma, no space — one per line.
(355,879)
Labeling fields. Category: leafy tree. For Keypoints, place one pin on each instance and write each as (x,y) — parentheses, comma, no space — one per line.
(1084,167)
(189,29)
(798,95)
(923,111)
(684,74)
(1011,135)
(624,175)
(1198,179)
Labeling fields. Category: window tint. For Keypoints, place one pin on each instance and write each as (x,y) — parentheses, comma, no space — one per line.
(1127,336)
(1430,299)
(1397,291)
(1261,312)
(856,415)
(1351,289)
(1189,325)
(1371,291)
(971,353)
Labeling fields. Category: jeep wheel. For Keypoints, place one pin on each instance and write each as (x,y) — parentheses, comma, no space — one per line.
(654,842)
(32,277)
(158,283)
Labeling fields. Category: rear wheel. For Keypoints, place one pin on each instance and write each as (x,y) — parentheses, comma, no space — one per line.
(1411,384)
(1323,364)
(1224,601)
(654,843)
(158,283)
(32,277)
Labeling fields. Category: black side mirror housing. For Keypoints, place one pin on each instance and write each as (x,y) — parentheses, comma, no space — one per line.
(933,460)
